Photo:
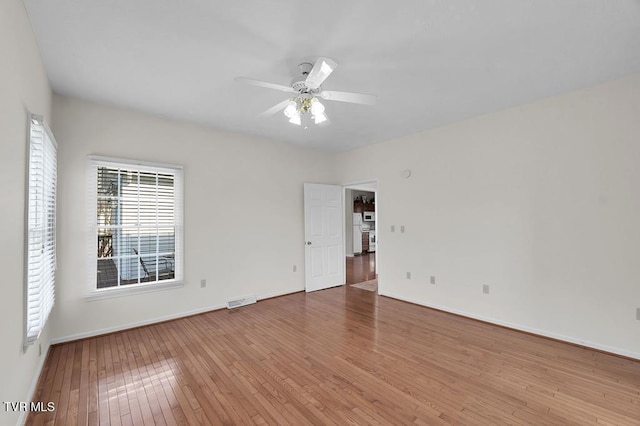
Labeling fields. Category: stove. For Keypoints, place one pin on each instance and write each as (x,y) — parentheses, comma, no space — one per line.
(372,240)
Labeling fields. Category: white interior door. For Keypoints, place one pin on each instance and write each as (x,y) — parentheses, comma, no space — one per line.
(324,246)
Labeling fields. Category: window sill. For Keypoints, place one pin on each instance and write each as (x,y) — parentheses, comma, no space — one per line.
(109,293)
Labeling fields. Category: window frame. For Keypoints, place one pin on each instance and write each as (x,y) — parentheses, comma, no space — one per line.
(42,282)
(93,163)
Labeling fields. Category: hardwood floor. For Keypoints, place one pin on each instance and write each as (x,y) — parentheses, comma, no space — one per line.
(337,356)
(361,268)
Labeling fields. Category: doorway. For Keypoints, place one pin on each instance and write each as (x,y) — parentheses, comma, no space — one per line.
(361,248)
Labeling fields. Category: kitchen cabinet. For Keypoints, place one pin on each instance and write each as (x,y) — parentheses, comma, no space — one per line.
(365,242)
(360,207)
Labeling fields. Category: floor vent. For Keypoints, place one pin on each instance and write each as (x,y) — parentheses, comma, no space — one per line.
(236,303)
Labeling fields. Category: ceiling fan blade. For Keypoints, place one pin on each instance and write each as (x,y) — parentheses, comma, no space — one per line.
(354,98)
(276,108)
(265,84)
(320,71)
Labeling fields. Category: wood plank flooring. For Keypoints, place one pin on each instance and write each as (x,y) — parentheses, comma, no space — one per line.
(361,268)
(337,356)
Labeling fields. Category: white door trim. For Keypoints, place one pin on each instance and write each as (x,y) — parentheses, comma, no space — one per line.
(356,185)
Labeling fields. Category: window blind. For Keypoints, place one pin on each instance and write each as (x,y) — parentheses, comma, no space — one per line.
(137,222)
(41,228)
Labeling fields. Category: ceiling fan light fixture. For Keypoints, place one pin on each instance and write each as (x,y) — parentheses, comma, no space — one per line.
(295,119)
(316,107)
(291,110)
(320,118)
(305,104)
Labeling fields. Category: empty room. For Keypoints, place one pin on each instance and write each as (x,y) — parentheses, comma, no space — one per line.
(410,212)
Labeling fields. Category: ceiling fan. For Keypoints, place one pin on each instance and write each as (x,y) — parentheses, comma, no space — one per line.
(307,90)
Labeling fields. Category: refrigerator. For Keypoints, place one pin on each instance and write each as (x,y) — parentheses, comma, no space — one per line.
(357,233)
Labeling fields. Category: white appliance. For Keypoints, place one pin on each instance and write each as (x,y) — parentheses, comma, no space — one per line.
(369,216)
(372,240)
(357,233)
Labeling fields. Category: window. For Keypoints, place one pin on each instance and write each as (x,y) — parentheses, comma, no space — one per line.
(41,228)
(136,240)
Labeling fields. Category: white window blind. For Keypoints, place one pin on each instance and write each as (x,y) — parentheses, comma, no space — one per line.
(137,222)
(41,228)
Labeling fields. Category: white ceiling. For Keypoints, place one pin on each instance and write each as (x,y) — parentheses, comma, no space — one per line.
(430,62)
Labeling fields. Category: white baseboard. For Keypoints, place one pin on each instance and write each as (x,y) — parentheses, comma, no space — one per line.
(31,393)
(544,333)
(278,293)
(121,327)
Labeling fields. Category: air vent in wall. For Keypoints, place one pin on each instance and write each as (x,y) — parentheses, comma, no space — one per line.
(242,301)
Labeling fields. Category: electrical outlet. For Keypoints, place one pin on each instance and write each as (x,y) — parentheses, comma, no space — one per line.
(402,229)
(433,279)
(295,268)
(485,288)
(638,314)
(408,275)
(203,283)
(393,228)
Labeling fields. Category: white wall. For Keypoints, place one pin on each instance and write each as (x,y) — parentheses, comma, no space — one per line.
(541,202)
(23,87)
(243,225)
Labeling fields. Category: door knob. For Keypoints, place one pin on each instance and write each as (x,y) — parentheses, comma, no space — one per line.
(308,243)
